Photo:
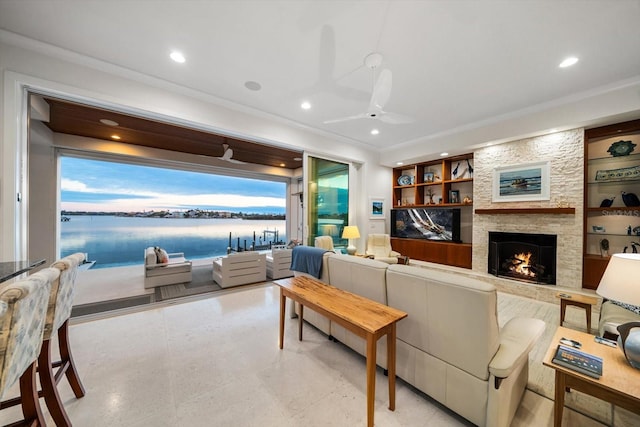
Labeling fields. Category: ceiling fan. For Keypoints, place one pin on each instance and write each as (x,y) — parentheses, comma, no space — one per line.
(228,154)
(379,97)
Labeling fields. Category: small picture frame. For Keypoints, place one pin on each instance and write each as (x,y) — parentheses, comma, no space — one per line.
(428,177)
(454,196)
(376,208)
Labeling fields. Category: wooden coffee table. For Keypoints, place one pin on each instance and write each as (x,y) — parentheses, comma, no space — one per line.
(618,385)
(364,317)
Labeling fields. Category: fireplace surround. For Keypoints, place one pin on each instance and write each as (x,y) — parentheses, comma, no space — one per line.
(524,257)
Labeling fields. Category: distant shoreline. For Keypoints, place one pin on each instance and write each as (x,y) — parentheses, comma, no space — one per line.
(189,214)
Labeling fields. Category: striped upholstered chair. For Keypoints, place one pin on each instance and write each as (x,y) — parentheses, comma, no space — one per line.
(58,314)
(23,308)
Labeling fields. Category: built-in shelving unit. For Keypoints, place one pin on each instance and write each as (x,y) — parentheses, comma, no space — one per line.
(612,166)
(445,183)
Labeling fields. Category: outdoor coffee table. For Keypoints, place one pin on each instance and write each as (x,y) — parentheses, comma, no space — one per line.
(364,317)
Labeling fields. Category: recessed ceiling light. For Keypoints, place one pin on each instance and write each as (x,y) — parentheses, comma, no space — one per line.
(251,85)
(177,57)
(374,131)
(297,159)
(116,137)
(444,154)
(282,165)
(305,105)
(400,163)
(568,62)
(108,122)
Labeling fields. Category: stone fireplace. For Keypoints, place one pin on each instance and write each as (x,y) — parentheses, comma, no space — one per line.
(565,152)
(526,257)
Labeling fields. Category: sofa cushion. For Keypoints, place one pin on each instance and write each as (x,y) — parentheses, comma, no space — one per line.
(452,317)
(629,307)
(162,257)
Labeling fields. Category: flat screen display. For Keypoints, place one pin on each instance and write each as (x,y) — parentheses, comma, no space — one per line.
(424,223)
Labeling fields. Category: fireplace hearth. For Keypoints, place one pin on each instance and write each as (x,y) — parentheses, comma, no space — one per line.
(523,256)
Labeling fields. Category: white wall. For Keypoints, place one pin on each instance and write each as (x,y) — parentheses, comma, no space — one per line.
(42,196)
(69,75)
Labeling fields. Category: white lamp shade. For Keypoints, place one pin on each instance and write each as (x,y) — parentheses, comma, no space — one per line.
(351,232)
(621,280)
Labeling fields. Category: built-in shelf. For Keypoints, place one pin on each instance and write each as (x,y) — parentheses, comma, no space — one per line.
(526,211)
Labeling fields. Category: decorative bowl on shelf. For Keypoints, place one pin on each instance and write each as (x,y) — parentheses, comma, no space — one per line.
(598,228)
(405,180)
(621,148)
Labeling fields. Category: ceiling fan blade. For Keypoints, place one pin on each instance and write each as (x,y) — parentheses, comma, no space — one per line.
(381,91)
(394,118)
(344,119)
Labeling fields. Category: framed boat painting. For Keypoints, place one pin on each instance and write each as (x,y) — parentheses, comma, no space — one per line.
(521,183)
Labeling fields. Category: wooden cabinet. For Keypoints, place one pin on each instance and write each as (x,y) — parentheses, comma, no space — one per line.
(456,254)
(437,184)
(612,179)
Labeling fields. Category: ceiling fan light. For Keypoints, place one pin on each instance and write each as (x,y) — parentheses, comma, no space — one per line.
(109,122)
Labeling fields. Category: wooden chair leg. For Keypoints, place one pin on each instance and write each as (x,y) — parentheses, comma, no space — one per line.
(49,388)
(67,360)
(29,394)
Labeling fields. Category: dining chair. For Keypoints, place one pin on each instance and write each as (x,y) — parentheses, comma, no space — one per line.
(23,309)
(57,322)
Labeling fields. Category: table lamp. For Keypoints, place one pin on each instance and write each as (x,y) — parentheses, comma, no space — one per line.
(620,283)
(620,280)
(351,232)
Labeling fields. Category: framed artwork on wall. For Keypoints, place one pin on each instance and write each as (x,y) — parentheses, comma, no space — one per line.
(376,208)
(454,196)
(520,183)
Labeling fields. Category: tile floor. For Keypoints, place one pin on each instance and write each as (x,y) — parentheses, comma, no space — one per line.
(214,361)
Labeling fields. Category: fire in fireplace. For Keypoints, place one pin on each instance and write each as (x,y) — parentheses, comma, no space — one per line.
(523,256)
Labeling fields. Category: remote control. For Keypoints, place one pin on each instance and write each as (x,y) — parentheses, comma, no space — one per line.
(605,341)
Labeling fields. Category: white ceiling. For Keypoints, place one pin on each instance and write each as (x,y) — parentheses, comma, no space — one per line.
(454,63)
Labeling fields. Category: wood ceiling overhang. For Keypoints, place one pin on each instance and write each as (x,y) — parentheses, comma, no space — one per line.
(83,120)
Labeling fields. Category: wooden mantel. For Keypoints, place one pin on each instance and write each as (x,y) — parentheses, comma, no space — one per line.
(526,211)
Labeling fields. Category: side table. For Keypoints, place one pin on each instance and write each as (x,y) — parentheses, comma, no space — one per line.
(577,300)
(618,385)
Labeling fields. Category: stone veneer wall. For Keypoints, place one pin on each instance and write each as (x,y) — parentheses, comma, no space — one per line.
(565,152)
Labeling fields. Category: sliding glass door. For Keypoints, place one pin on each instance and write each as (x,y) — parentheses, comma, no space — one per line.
(328,197)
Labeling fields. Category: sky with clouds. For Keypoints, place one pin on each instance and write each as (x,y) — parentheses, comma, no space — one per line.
(101,186)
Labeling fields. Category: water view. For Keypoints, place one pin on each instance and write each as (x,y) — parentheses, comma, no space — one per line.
(115,241)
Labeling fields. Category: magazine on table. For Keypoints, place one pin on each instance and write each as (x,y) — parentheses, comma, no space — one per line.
(578,361)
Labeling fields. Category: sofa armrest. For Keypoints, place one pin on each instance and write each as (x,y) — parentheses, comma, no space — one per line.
(394,253)
(517,338)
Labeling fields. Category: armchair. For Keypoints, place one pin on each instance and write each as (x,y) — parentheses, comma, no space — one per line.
(23,310)
(176,270)
(279,263)
(240,268)
(379,245)
(324,242)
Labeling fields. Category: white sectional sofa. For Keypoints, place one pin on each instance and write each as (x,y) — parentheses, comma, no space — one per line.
(450,346)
